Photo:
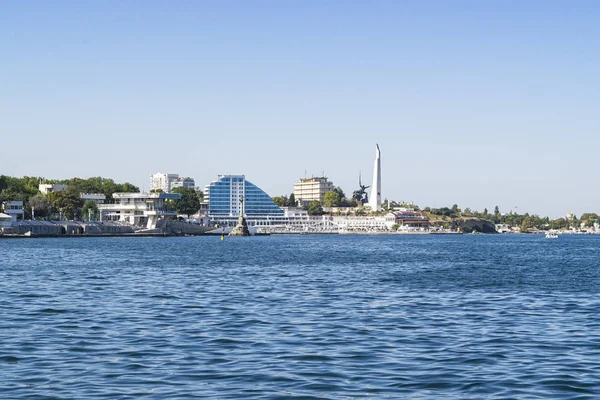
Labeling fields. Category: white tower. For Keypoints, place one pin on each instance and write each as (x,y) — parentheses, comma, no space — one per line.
(375,199)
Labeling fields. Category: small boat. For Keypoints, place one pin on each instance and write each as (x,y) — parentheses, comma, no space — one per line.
(550,235)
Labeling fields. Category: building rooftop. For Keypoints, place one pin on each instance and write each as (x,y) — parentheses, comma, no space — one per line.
(146,195)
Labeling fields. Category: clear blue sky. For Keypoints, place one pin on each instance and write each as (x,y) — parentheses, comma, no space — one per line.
(476,103)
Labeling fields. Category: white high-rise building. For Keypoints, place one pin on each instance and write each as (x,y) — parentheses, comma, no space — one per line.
(375,199)
(183,182)
(163,182)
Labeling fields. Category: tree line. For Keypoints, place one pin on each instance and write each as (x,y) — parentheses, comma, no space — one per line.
(68,201)
(526,222)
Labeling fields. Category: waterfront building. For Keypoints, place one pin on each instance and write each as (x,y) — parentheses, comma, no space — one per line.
(409,219)
(46,188)
(223,198)
(14,209)
(503,228)
(312,189)
(164,182)
(5,221)
(293,220)
(138,208)
(186,182)
(263,215)
(375,199)
(365,224)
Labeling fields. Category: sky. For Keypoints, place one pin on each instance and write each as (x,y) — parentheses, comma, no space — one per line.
(475,103)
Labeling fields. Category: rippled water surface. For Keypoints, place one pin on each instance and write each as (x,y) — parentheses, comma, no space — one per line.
(300,317)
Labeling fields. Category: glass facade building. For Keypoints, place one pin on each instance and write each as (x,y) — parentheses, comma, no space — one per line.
(224,195)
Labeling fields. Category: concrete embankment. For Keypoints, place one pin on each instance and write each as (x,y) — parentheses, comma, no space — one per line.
(97,229)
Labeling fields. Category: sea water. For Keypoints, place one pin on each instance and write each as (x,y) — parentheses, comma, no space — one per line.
(301,317)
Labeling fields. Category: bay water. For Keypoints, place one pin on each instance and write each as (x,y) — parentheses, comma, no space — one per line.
(301,317)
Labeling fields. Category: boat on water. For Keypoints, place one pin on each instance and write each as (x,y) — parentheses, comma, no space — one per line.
(551,235)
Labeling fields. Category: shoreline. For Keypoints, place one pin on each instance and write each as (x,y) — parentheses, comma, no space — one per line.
(13,236)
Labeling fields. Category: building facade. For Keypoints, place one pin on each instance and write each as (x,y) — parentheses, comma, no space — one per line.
(183,182)
(164,182)
(408,219)
(138,208)
(223,198)
(97,198)
(46,188)
(14,209)
(312,189)
(5,221)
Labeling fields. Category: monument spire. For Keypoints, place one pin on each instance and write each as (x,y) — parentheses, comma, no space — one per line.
(375,199)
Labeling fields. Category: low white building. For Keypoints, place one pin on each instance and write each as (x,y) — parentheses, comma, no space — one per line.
(5,221)
(46,188)
(97,198)
(14,209)
(138,208)
(380,223)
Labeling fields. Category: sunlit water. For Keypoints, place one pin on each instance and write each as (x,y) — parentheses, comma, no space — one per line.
(300,317)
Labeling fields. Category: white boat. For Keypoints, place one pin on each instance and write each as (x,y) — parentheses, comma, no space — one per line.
(550,235)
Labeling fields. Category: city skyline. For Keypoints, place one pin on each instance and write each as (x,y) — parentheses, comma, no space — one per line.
(473,104)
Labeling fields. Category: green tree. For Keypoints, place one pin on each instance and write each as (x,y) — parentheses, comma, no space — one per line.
(108,188)
(314,208)
(200,195)
(292,201)
(9,195)
(331,199)
(39,206)
(89,210)
(527,224)
(340,192)
(129,188)
(559,223)
(589,219)
(349,202)
(68,202)
(281,201)
(189,203)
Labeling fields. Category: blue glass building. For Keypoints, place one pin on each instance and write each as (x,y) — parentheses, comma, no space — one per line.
(224,196)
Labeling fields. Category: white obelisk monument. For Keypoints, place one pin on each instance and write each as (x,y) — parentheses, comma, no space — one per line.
(375,199)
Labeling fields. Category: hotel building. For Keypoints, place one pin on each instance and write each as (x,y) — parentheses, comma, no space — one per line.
(183,182)
(164,182)
(223,198)
(311,189)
